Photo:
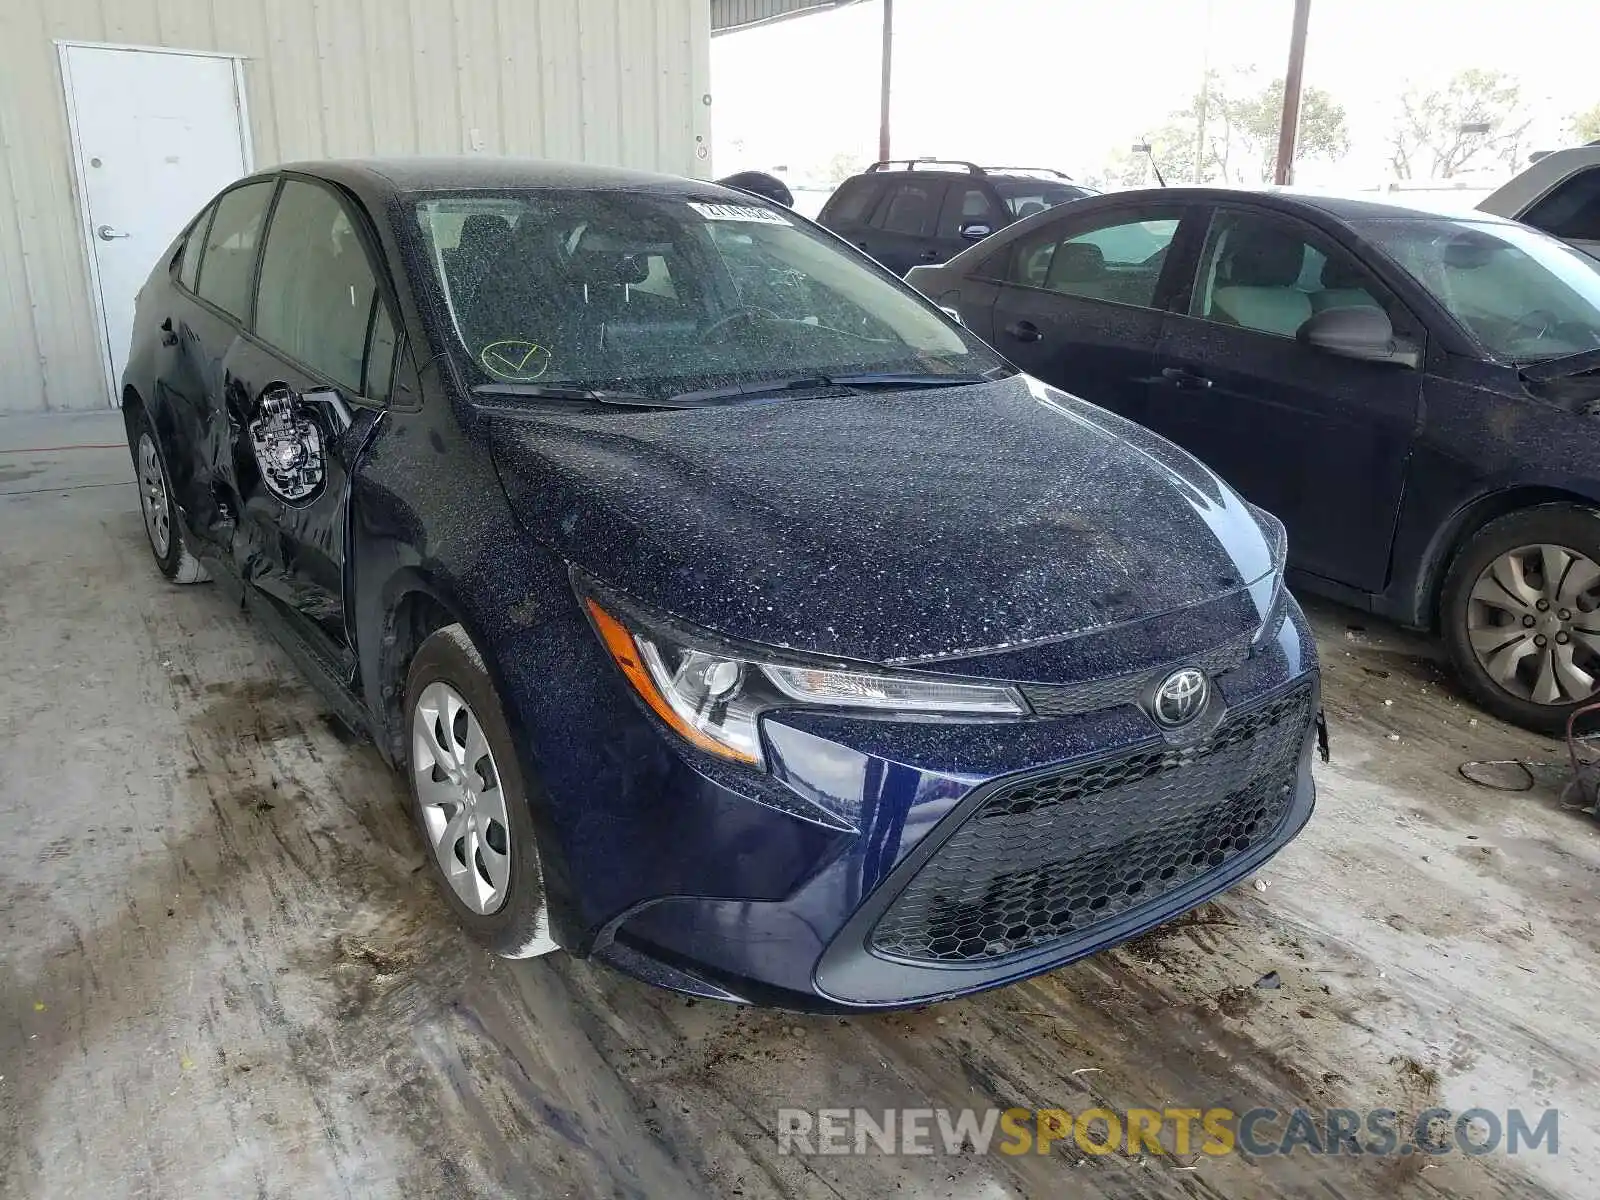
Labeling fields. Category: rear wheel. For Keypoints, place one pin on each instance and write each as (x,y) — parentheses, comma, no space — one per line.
(470,799)
(1521,614)
(161,525)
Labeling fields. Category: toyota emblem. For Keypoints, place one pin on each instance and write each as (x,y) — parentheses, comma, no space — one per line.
(1180,698)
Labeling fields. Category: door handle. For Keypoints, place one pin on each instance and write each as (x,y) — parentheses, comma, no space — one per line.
(930,256)
(107,234)
(1185,377)
(1024,331)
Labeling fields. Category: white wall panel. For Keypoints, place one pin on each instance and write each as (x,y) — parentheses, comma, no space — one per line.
(602,81)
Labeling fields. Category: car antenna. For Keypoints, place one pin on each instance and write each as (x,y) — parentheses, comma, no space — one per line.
(1144,148)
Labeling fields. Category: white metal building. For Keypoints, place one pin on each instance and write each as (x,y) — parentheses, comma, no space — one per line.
(119,117)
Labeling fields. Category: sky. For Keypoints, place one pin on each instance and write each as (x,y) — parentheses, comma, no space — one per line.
(1065,83)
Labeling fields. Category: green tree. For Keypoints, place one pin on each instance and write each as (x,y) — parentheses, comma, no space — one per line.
(1476,119)
(1228,133)
(1586,125)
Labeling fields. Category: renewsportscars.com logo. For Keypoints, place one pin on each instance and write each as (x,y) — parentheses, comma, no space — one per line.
(1260,1132)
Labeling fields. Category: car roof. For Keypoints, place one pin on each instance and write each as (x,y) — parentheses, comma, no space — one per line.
(1341,208)
(396,176)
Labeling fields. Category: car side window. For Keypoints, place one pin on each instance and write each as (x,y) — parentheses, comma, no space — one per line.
(189,264)
(1571,210)
(318,298)
(1117,258)
(1262,273)
(854,200)
(966,205)
(229,259)
(911,208)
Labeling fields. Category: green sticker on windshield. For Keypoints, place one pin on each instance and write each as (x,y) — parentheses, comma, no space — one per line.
(515,360)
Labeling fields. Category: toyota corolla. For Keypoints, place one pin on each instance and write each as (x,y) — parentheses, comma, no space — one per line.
(736,617)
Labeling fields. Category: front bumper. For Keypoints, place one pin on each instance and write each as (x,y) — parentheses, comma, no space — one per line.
(929,881)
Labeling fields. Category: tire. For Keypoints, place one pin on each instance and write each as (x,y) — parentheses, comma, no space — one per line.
(1498,610)
(470,800)
(162,529)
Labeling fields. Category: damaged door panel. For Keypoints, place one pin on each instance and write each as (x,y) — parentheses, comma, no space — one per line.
(312,379)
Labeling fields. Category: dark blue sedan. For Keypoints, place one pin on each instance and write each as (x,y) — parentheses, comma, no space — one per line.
(737,618)
(1413,394)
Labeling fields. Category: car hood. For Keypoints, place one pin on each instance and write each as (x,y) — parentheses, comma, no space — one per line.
(890,528)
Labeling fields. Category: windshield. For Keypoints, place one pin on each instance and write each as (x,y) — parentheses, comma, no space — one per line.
(1024,197)
(660,295)
(1525,296)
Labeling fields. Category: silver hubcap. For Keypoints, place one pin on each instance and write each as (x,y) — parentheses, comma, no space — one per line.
(153,497)
(1533,624)
(463,805)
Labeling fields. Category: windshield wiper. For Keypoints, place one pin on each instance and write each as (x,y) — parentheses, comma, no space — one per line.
(1561,366)
(805,383)
(547,391)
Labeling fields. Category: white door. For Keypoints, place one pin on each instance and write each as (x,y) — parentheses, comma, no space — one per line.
(155,135)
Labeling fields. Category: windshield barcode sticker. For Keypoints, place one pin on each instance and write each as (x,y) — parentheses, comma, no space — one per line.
(737,212)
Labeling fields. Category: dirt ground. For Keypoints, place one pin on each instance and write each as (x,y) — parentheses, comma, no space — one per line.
(225,973)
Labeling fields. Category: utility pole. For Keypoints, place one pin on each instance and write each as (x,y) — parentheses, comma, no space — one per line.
(1283,171)
(1205,98)
(888,55)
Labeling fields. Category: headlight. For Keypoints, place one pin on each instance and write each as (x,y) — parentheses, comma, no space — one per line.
(713,696)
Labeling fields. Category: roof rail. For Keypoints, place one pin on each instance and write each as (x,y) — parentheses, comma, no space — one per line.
(1048,171)
(927,164)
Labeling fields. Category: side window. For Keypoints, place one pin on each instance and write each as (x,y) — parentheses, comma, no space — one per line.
(911,208)
(1265,274)
(1572,210)
(318,295)
(230,248)
(969,205)
(380,354)
(189,265)
(1119,259)
(854,200)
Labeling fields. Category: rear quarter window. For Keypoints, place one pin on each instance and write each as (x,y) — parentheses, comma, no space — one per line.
(853,202)
(1572,209)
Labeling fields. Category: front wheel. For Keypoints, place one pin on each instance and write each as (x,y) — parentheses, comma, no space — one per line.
(470,800)
(1520,613)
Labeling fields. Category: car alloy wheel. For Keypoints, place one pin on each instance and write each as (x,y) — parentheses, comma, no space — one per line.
(1533,623)
(153,496)
(463,806)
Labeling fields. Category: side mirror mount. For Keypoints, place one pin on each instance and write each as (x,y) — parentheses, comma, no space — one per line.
(976,232)
(1362,332)
(333,400)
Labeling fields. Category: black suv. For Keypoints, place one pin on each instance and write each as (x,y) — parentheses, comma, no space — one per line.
(908,213)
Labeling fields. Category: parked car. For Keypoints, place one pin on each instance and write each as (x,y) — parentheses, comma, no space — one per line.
(923,210)
(737,618)
(1414,395)
(1559,193)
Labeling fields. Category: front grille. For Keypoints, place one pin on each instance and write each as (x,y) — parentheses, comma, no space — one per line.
(1051,857)
(1070,699)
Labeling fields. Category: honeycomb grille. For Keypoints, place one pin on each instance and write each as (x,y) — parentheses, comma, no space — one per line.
(1052,857)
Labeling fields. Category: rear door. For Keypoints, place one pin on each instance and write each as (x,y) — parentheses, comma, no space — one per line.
(906,220)
(1079,304)
(311,385)
(1322,442)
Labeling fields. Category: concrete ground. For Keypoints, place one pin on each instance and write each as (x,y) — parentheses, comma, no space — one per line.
(225,973)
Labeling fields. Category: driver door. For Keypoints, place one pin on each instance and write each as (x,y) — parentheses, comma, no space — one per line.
(306,393)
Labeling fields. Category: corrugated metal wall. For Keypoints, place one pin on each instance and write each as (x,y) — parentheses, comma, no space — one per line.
(730,15)
(602,81)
